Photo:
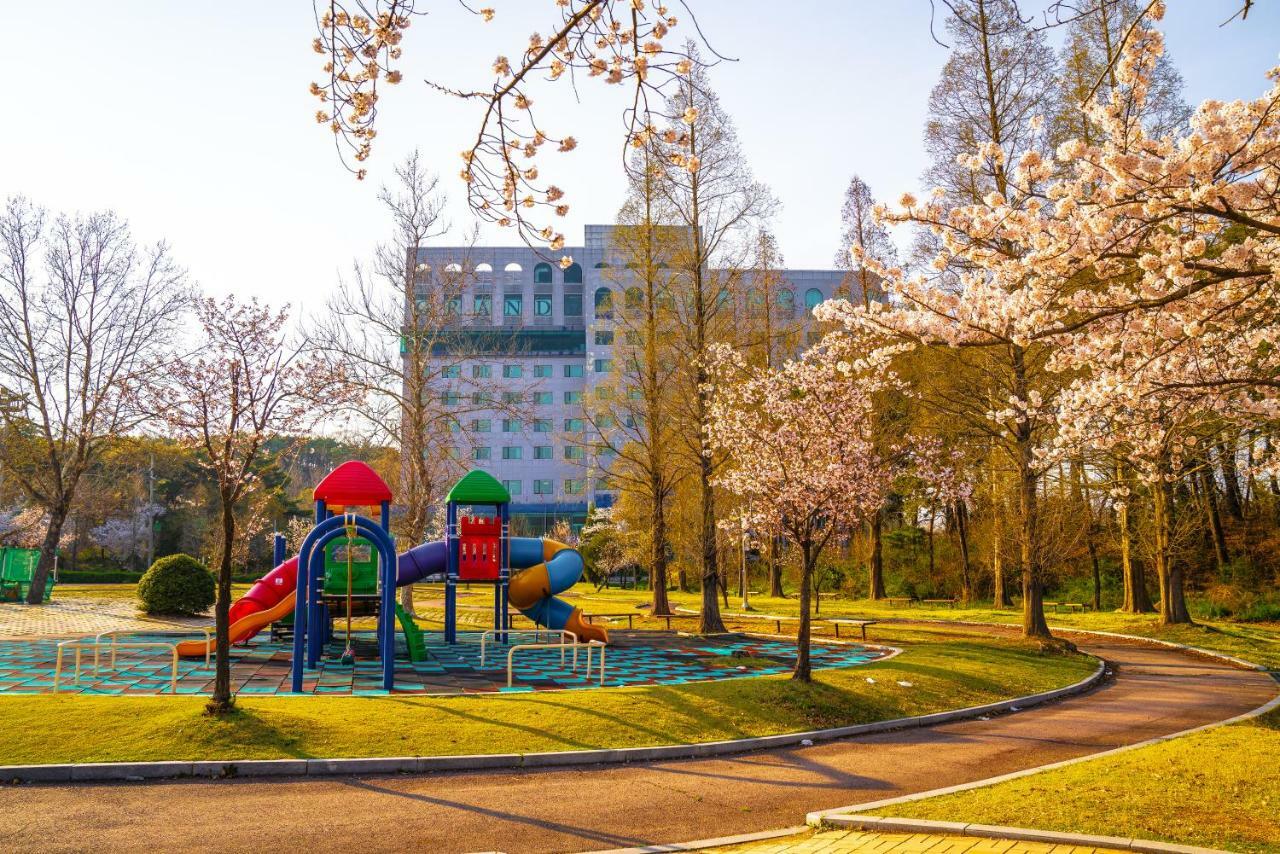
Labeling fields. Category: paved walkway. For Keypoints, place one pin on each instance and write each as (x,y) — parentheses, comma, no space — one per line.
(1156,692)
(72,617)
(862,842)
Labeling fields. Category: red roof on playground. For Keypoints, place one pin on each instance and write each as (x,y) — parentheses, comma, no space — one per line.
(352,483)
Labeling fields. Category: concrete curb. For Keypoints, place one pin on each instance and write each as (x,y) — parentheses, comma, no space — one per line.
(1022,834)
(135,771)
(718,842)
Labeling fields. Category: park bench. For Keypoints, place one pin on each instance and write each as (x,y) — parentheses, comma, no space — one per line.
(857,624)
(768,618)
(894,601)
(950,603)
(1069,606)
(630,615)
(670,617)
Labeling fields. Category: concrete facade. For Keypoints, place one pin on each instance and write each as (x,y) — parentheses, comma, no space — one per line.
(531,336)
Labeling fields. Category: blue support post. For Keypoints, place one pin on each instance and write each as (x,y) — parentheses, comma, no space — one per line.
(451,573)
(277,550)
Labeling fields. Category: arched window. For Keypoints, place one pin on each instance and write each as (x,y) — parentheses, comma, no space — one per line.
(513,267)
(812,297)
(634,298)
(604,302)
(786,300)
(573,274)
(723,298)
(602,265)
(484,267)
(542,274)
(453,268)
(755,301)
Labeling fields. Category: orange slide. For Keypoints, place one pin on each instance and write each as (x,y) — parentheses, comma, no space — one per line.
(270,598)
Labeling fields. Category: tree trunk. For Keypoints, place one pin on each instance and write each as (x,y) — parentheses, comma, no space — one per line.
(221,702)
(1136,598)
(962,532)
(1000,592)
(1173,605)
(48,553)
(875,583)
(803,671)
(658,554)
(1231,479)
(1214,519)
(1034,624)
(711,621)
(775,571)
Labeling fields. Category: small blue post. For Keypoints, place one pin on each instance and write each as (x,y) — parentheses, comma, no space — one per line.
(277,550)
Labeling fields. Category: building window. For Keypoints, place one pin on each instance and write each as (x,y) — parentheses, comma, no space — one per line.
(481,372)
(604,337)
(605,422)
(542,372)
(575,486)
(512,305)
(482,398)
(573,425)
(513,397)
(633,298)
(482,305)
(512,452)
(755,301)
(635,393)
(573,274)
(573,371)
(454,426)
(542,305)
(574,452)
(451,398)
(542,487)
(511,425)
(573,305)
(812,297)
(542,398)
(542,274)
(512,486)
(632,338)
(451,372)
(453,306)
(482,453)
(573,397)
(542,452)
(512,372)
(513,267)
(542,425)
(786,300)
(604,392)
(603,366)
(604,303)
(481,425)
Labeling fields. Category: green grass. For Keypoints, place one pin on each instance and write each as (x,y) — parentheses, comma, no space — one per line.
(1218,789)
(1257,642)
(946,669)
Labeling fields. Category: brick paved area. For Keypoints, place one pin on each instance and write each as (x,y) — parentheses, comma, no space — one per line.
(72,617)
(842,841)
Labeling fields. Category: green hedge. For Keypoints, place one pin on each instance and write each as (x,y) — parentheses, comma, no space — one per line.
(177,584)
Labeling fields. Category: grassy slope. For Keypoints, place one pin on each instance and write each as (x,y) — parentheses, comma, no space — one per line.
(946,669)
(1219,789)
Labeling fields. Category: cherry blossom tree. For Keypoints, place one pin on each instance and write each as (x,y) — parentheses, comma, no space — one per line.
(245,384)
(800,455)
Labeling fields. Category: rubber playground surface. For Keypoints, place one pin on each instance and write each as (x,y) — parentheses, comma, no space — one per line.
(263,666)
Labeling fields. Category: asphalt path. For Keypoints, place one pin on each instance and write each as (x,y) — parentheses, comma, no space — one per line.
(1155,692)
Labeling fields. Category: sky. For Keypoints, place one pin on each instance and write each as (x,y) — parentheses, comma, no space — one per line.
(193,119)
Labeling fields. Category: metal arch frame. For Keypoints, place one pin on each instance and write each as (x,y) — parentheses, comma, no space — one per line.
(307,604)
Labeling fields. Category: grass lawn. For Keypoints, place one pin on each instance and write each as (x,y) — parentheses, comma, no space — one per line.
(1257,642)
(946,668)
(1218,789)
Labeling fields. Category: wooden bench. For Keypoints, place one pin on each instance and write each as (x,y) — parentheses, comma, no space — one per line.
(670,617)
(950,603)
(1070,606)
(630,615)
(859,624)
(768,618)
(894,601)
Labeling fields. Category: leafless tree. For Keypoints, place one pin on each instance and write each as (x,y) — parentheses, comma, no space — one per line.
(84,316)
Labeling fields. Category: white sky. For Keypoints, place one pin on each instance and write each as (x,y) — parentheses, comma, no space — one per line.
(193,120)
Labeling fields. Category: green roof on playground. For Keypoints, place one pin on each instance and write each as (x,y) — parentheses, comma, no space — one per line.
(478,487)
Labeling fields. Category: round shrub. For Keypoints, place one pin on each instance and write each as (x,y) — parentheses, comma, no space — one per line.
(177,584)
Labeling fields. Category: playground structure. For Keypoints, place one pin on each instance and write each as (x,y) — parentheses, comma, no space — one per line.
(348,567)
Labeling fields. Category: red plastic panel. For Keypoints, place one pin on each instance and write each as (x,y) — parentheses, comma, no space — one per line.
(479,549)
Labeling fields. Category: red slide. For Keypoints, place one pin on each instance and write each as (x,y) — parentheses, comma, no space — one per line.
(269,599)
